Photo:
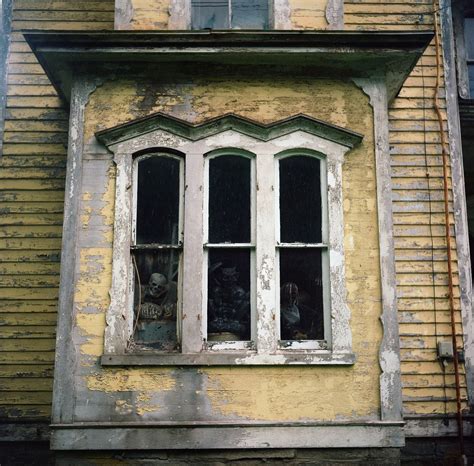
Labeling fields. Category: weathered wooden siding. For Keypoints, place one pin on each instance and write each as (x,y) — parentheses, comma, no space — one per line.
(420,244)
(31,206)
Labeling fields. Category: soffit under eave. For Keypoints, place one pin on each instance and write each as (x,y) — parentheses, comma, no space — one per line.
(390,56)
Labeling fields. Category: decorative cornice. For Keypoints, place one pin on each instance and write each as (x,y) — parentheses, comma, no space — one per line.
(230,121)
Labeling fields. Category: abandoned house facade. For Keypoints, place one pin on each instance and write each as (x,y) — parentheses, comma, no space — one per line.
(236,230)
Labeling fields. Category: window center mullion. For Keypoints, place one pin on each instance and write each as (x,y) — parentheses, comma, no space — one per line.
(266,323)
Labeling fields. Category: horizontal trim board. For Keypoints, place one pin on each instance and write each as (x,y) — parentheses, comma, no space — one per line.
(441,426)
(204,437)
(306,358)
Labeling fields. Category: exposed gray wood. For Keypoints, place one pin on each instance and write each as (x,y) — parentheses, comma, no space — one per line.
(457,31)
(123,14)
(179,15)
(211,437)
(437,426)
(459,196)
(24,432)
(64,386)
(335,14)
(281,14)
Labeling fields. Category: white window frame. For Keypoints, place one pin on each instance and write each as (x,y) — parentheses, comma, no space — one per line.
(266,347)
(234,345)
(136,160)
(323,246)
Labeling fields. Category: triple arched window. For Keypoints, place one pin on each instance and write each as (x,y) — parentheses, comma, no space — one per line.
(229,245)
(230,224)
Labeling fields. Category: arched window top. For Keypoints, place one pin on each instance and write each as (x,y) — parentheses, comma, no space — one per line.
(302,152)
(230,151)
(157,152)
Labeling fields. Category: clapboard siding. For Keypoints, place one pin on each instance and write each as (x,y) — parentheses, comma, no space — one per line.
(418,207)
(31,207)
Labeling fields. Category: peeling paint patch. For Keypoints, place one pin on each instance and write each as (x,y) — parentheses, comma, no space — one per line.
(91,324)
(266,272)
(130,380)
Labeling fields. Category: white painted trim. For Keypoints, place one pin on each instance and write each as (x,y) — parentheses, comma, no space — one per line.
(389,353)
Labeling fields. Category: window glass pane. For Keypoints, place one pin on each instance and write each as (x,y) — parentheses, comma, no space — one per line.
(300,200)
(301,294)
(250,14)
(471,78)
(469,37)
(156,298)
(228,295)
(158,200)
(210,14)
(229,199)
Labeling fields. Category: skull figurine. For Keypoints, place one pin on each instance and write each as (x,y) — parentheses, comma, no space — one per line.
(157,286)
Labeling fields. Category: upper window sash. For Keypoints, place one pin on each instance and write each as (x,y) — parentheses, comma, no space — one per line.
(177,237)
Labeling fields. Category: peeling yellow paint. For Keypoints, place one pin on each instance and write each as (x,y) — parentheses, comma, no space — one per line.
(93,347)
(86,217)
(144,404)
(131,380)
(91,324)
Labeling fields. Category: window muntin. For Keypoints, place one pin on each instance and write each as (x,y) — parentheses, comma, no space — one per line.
(302,250)
(229,248)
(230,14)
(156,247)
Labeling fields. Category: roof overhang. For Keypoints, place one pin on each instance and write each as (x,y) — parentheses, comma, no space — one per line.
(348,54)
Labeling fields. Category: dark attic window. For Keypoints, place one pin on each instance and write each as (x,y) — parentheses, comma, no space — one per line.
(230,14)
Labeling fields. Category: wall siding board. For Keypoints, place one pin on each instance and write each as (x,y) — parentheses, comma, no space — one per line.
(418,208)
(32,175)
